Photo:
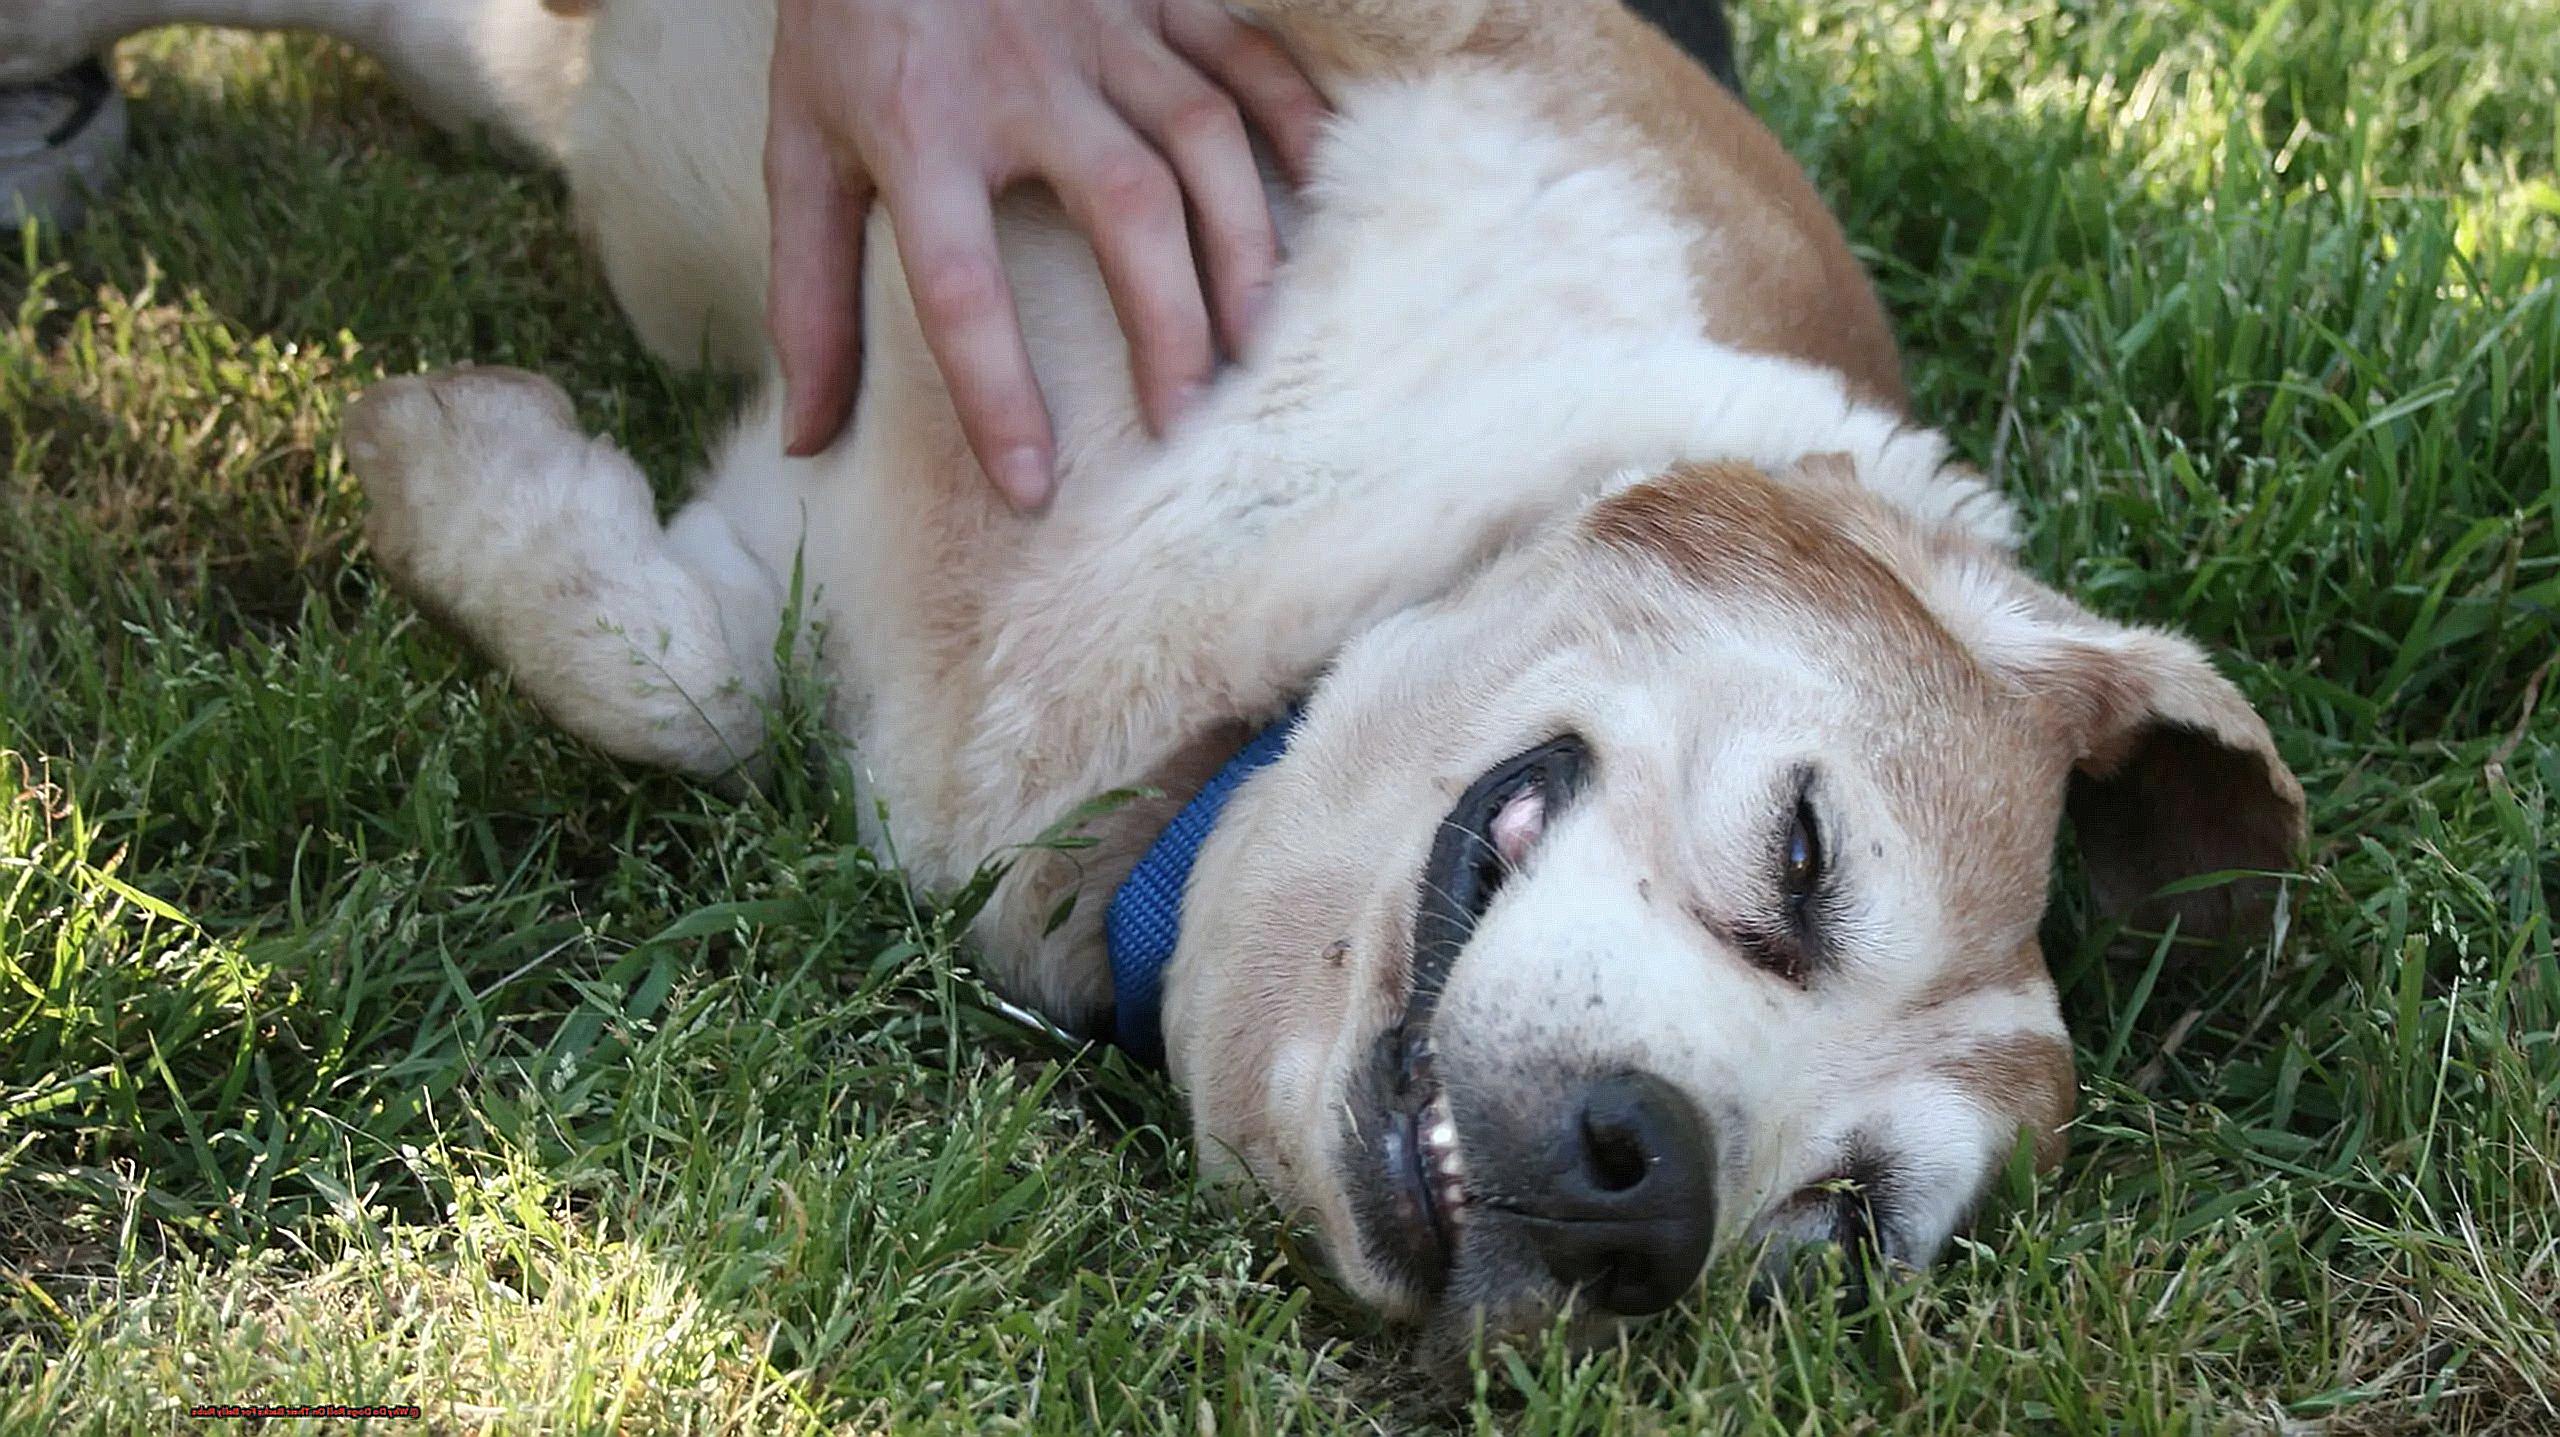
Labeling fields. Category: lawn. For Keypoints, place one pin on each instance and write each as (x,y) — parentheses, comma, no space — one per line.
(364,1040)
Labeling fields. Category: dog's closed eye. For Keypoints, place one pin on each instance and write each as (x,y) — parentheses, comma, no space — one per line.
(1793,940)
(1801,862)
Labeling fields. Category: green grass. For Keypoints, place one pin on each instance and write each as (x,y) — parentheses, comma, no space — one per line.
(363,1040)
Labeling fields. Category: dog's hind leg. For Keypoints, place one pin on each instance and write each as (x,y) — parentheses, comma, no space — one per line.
(511,64)
(541,545)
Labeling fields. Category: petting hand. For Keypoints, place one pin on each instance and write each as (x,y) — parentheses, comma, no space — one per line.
(1126,108)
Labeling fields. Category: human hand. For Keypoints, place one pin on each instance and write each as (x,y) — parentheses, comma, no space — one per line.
(1126,108)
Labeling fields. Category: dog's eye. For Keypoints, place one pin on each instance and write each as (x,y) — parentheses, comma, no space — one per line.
(1790,942)
(1803,857)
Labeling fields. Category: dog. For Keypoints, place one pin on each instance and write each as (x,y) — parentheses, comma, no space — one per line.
(1603,761)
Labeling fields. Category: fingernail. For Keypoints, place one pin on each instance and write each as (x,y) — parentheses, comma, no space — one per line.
(1023,477)
(797,441)
(791,425)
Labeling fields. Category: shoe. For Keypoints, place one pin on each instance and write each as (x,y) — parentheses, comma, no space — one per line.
(60,139)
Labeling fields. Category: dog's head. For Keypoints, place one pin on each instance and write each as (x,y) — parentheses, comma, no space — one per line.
(1675,885)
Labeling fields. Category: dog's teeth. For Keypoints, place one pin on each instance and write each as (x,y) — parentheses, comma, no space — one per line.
(1438,1132)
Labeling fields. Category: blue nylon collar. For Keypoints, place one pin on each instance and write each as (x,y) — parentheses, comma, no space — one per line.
(1144,923)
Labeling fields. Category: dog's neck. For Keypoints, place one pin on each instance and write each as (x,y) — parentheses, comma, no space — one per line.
(1144,924)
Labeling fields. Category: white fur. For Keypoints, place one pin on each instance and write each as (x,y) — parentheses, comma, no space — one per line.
(543,546)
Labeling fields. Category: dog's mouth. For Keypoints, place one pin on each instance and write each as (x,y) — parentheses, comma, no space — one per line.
(1404,1154)
(1416,1193)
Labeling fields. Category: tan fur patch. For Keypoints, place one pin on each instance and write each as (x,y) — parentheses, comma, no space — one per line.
(2029,1077)
(1728,525)
(1990,969)
(1770,269)
(1769,266)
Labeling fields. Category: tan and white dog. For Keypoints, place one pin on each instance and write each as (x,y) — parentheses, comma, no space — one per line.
(1656,862)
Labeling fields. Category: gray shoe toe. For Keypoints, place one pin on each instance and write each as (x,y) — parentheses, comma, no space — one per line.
(59,143)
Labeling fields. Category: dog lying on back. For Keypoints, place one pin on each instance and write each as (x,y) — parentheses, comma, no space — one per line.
(1610,761)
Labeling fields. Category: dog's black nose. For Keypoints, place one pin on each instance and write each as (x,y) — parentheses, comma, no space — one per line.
(1629,1208)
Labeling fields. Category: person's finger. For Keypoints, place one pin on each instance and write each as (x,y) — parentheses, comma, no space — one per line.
(947,243)
(1125,198)
(813,295)
(1197,127)
(1257,69)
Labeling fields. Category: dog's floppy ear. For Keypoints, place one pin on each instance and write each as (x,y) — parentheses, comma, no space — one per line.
(2174,775)
(2180,779)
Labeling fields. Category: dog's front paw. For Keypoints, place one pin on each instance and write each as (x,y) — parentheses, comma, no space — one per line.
(446,460)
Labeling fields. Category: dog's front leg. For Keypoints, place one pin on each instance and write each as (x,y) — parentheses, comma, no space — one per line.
(541,546)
